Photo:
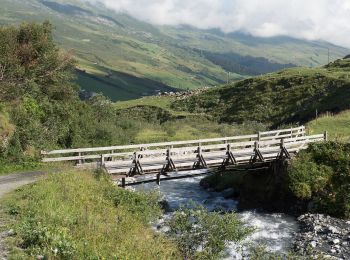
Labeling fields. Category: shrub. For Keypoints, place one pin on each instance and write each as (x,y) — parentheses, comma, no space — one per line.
(200,234)
(322,174)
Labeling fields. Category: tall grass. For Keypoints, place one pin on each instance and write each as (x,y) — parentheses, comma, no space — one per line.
(75,216)
(337,125)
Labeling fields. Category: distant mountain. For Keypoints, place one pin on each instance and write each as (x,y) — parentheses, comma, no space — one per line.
(111,45)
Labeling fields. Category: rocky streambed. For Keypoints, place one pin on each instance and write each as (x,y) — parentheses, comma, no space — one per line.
(323,235)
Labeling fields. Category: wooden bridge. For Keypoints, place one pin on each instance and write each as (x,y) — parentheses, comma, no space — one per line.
(156,161)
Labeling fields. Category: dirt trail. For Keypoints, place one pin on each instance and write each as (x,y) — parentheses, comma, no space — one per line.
(7,184)
(13,181)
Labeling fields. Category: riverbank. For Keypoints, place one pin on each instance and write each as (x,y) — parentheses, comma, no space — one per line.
(75,214)
(315,235)
(273,231)
(315,181)
(263,189)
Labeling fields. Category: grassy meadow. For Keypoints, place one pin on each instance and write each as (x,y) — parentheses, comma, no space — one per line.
(76,215)
(338,125)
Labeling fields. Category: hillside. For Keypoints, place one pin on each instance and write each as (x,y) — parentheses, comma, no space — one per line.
(133,59)
(337,125)
(290,96)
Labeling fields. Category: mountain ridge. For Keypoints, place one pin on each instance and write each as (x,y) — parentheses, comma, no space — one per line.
(176,57)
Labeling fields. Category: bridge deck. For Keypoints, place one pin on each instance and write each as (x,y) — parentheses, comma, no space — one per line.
(162,158)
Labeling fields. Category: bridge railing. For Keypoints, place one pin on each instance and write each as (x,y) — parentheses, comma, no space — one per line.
(234,153)
(127,152)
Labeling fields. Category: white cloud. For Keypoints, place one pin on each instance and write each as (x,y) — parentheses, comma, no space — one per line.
(327,20)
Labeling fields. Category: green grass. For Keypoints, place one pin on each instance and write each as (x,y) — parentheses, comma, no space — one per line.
(289,96)
(162,102)
(16,167)
(76,216)
(30,165)
(338,126)
(152,123)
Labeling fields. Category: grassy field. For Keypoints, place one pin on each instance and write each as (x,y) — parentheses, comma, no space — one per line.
(338,126)
(75,215)
(159,122)
(162,102)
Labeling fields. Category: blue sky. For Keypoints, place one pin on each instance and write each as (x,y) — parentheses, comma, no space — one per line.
(327,20)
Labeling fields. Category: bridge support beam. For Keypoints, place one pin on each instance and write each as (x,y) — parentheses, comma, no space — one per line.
(230,158)
(200,163)
(137,168)
(158,179)
(257,154)
(170,166)
(284,152)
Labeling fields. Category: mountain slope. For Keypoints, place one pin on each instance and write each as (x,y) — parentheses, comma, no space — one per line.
(289,96)
(180,57)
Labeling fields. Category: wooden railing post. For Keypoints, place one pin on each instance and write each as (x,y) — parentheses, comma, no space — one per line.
(284,150)
(282,143)
(256,145)
(102,160)
(325,136)
(79,161)
(170,164)
(158,179)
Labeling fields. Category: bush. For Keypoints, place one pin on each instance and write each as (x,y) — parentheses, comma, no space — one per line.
(200,234)
(322,174)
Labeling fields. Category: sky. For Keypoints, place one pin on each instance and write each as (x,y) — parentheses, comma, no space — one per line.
(327,20)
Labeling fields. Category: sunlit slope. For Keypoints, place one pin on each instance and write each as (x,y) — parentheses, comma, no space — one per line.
(289,96)
(338,125)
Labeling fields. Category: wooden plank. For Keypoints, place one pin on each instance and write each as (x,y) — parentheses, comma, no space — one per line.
(139,146)
(153,152)
(282,130)
(279,136)
(71,158)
